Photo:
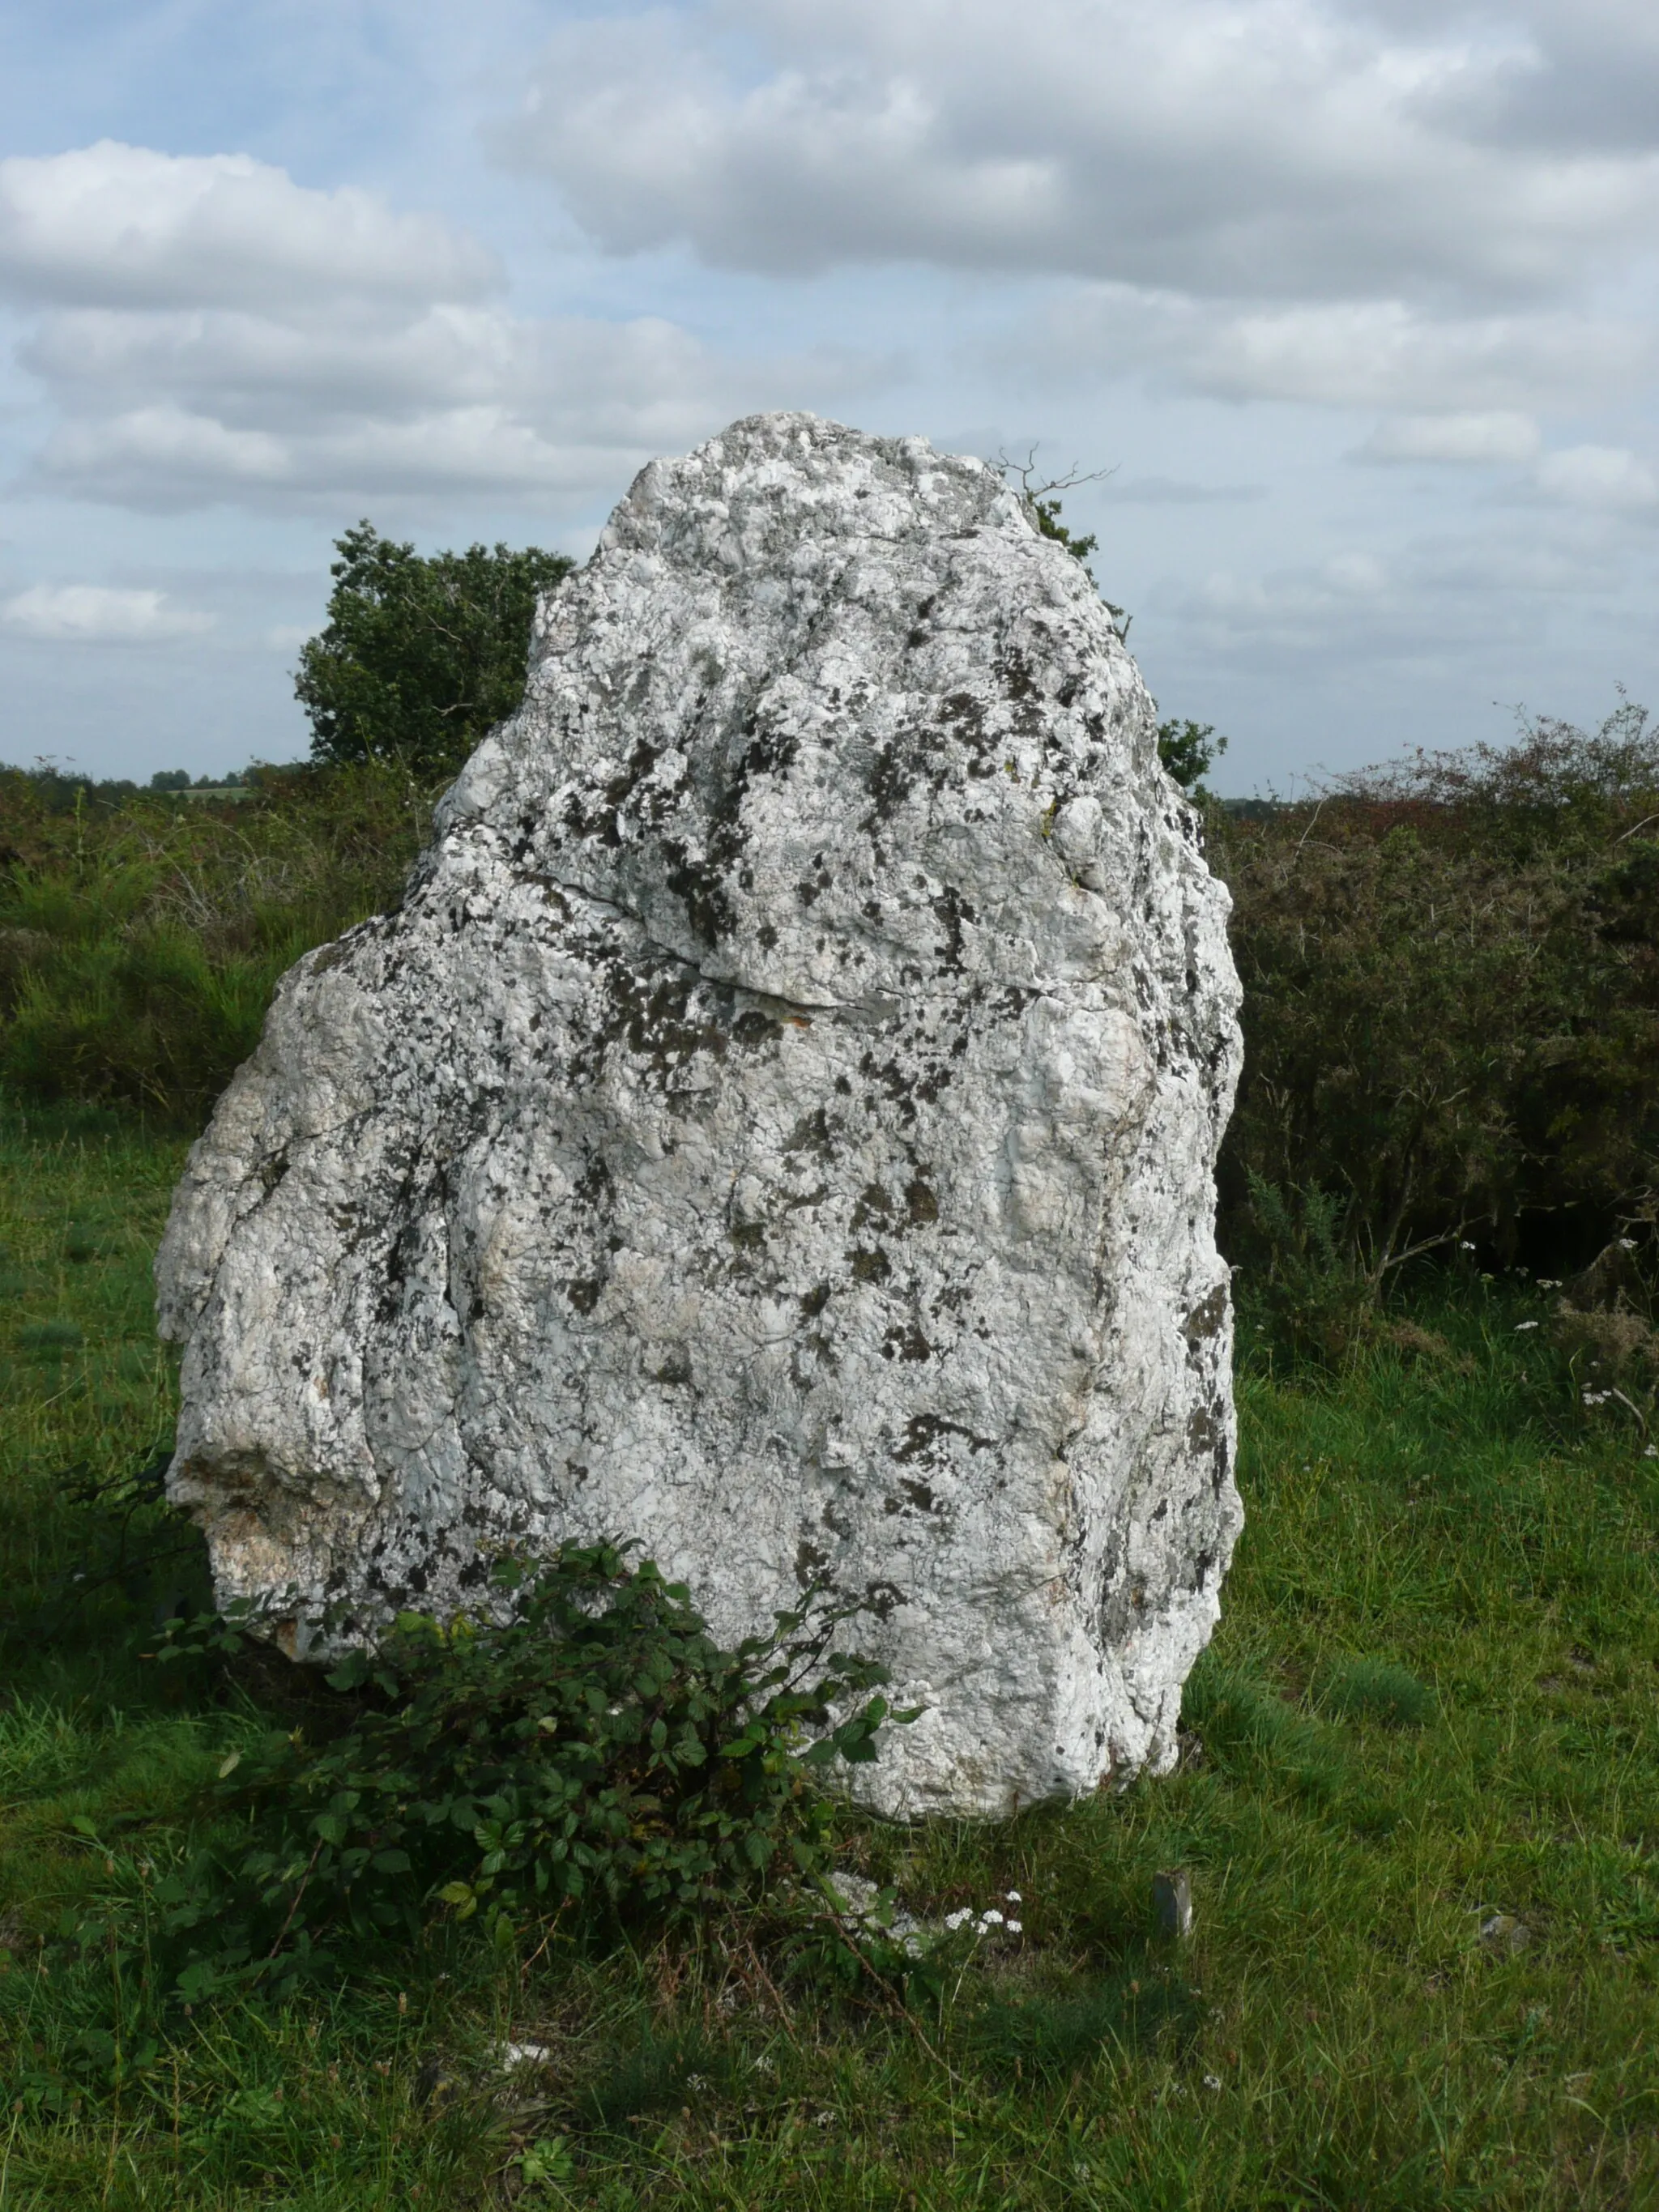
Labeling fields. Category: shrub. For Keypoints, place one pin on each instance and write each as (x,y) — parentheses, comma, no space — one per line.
(1451,999)
(589,1751)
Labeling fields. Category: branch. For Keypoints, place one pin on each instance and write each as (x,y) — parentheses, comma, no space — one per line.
(1048,487)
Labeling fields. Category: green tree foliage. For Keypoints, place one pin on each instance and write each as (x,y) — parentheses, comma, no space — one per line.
(423,654)
(1046,509)
(1188,750)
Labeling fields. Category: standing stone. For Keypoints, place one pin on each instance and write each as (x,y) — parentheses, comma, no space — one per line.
(779,1124)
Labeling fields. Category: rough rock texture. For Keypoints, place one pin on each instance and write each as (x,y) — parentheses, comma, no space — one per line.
(778,1124)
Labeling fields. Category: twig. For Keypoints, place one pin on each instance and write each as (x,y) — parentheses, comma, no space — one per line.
(1412,1251)
(1308,832)
(304,1881)
(1049,485)
(1641,1419)
(784,2019)
(840,1929)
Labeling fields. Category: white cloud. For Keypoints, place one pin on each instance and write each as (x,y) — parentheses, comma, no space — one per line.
(1304,200)
(252,342)
(1178,491)
(227,409)
(111,224)
(1498,434)
(1350,354)
(1301,610)
(1272,149)
(1600,476)
(95,614)
(1433,608)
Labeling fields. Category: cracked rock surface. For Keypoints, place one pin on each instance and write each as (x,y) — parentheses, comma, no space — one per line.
(779,1124)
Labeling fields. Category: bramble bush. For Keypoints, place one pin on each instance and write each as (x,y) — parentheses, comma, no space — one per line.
(585,1752)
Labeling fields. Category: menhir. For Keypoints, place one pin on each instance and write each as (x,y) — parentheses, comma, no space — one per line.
(779,1125)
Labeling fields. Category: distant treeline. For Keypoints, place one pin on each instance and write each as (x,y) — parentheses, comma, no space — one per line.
(64,791)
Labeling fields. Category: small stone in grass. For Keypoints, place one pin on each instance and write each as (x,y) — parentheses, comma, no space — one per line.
(514,2054)
(1504,1935)
(436,2085)
(1172,1899)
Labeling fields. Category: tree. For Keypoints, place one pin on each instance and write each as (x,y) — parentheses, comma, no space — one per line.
(423,654)
(1188,750)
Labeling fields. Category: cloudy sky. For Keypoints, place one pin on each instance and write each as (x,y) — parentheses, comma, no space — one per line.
(1357,305)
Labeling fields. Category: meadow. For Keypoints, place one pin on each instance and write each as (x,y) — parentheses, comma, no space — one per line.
(1418,1803)
(1418,1799)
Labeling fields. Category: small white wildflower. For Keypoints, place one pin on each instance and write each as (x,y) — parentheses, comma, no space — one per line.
(991,1919)
(1549,1282)
(1519,1325)
(1627,1243)
(1650,1451)
(954,1920)
(1212,2081)
(1012,1897)
(1464,1245)
(1016,1927)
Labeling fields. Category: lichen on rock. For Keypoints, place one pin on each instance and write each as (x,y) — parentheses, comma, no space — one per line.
(778,1124)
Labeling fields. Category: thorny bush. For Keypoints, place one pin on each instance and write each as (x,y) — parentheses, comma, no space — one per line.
(585,1752)
(1451,1014)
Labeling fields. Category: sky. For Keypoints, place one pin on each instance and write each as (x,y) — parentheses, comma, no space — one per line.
(1350,312)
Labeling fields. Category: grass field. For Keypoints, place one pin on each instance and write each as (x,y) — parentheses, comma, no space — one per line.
(1431,1709)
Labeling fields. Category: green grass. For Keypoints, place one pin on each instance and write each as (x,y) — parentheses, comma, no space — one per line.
(1431,1703)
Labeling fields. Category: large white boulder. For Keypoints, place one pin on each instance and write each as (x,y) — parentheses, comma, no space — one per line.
(778,1124)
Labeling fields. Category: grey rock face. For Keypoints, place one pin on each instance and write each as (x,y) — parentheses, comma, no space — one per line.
(779,1124)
